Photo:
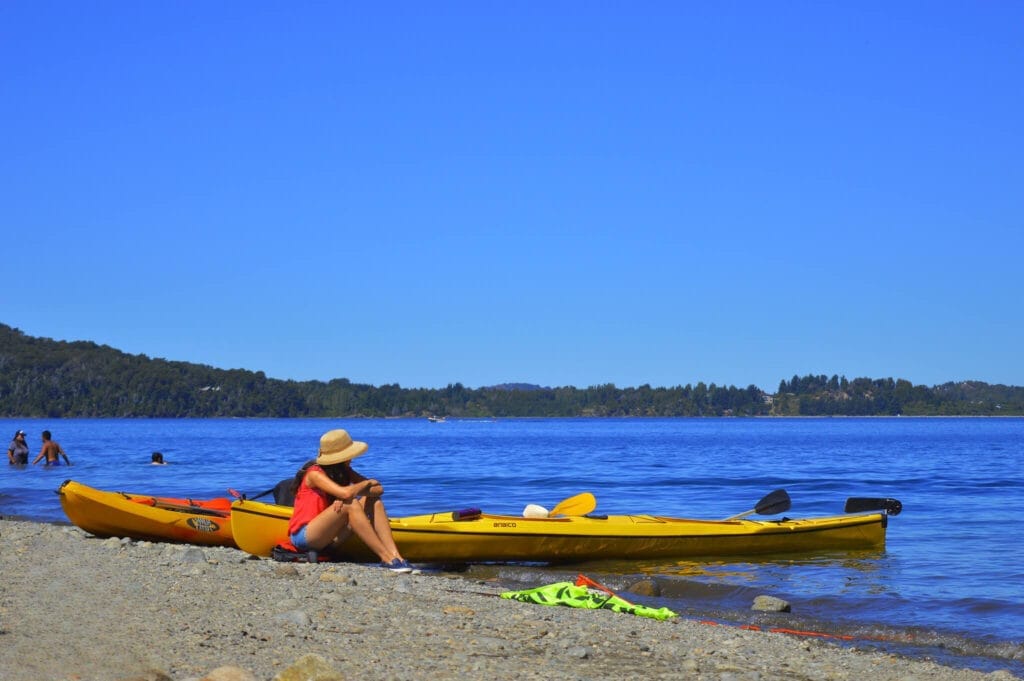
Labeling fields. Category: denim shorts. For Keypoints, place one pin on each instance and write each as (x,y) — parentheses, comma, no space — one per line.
(299,539)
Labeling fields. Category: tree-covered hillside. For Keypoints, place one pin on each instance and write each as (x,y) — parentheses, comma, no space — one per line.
(44,377)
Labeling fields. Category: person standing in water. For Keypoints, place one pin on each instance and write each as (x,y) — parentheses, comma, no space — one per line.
(52,451)
(18,451)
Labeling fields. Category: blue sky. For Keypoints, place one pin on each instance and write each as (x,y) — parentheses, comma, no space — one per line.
(566,193)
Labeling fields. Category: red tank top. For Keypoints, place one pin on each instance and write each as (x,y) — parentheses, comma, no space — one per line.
(309,503)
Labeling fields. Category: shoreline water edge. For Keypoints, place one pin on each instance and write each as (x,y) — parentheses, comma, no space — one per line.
(73,606)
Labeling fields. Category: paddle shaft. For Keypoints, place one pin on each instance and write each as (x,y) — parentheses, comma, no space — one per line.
(185,508)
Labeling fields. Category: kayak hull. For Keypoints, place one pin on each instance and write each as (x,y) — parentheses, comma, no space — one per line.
(438,537)
(139,516)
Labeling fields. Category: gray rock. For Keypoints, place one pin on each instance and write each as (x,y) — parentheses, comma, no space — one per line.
(297,617)
(310,668)
(150,675)
(645,587)
(193,555)
(770,604)
(287,571)
(490,644)
(229,673)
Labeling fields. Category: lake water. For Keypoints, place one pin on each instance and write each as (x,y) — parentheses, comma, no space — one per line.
(950,584)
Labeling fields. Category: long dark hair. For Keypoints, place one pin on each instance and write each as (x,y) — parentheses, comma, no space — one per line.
(339,473)
(299,475)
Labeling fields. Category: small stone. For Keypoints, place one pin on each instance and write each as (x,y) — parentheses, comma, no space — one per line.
(297,617)
(150,675)
(645,587)
(770,604)
(458,610)
(309,667)
(336,578)
(229,673)
(286,571)
(193,555)
(579,652)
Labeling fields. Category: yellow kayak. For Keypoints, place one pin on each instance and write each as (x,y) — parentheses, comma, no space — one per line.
(141,516)
(448,537)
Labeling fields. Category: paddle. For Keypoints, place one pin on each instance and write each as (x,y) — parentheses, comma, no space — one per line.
(188,508)
(580,504)
(583,580)
(774,502)
(858,504)
(239,495)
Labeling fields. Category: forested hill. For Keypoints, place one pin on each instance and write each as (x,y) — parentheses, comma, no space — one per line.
(43,377)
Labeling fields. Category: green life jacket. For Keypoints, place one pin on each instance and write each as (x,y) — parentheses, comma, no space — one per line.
(567,593)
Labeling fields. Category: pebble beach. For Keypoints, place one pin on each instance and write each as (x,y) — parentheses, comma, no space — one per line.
(76,608)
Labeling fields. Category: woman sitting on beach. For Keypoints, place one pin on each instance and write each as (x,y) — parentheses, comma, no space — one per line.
(333,501)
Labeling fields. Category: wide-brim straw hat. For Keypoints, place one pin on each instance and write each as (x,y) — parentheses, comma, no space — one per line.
(337,446)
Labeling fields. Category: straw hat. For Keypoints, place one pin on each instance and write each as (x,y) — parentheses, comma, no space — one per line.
(336,446)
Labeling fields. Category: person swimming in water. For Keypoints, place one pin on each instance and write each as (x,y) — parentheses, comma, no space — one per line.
(157,459)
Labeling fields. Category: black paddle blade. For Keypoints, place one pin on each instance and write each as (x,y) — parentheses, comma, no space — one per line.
(775,502)
(859,504)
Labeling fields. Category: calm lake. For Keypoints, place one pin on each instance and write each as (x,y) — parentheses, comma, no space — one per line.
(950,584)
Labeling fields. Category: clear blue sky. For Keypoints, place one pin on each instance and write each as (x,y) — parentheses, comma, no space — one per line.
(561,193)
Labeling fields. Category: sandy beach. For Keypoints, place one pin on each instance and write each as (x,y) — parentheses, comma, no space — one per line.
(76,608)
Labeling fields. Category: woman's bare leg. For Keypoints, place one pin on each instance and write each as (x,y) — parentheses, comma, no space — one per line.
(381,525)
(323,529)
(340,518)
(364,529)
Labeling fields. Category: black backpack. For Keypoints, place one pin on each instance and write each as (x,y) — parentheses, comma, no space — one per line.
(286,555)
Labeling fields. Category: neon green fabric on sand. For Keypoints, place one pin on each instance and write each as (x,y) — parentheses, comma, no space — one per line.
(567,593)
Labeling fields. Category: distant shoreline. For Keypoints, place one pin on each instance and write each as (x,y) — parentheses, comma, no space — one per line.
(768,417)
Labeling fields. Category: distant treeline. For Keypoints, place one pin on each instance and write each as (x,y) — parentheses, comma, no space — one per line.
(40,377)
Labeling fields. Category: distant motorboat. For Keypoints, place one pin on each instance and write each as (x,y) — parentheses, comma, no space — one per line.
(436,419)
